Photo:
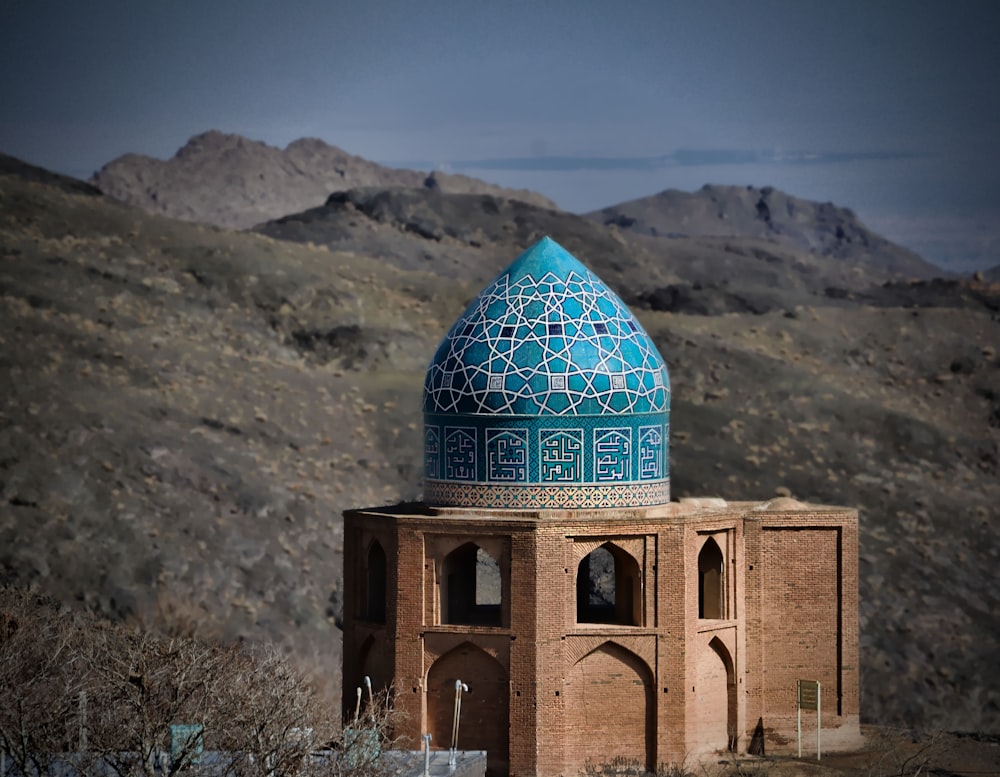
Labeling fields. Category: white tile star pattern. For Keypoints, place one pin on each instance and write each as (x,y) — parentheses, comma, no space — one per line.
(546,318)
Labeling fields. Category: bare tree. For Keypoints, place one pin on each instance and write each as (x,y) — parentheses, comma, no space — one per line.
(102,698)
(141,685)
(37,645)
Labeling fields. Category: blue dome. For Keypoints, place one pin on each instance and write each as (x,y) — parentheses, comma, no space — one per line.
(546,378)
(546,337)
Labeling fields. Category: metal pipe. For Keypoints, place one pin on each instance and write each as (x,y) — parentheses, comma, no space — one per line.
(427,754)
(456,718)
(368,685)
(357,706)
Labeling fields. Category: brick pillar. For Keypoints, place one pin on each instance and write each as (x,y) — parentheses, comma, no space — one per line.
(753,670)
(554,616)
(671,602)
(850,676)
(405,621)
(523,655)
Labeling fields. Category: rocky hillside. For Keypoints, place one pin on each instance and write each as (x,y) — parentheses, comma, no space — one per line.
(234,182)
(187,410)
(473,236)
(746,211)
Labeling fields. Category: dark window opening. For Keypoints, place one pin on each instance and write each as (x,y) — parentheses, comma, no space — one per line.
(608,588)
(711,588)
(375,584)
(471,588)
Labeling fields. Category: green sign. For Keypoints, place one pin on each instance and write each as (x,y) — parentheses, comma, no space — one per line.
(808,695)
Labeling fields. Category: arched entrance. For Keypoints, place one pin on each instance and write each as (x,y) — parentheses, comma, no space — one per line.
(716,699)
(485,720)
(610,709)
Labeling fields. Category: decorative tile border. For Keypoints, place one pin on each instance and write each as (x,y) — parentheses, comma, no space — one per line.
(542,497)
(560,450)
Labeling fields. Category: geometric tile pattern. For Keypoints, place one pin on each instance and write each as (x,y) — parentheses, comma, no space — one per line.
(612,454)
(507,454)
(560,455)
(460,453)
(547,451)
(546,337)
(650,452)
(546,393)
(432,452)
(542,497)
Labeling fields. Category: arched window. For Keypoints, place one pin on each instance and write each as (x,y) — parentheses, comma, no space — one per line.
(711,582)
(471,587)
(608,587)
(375,584)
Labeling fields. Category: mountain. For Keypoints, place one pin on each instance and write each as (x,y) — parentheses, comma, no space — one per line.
(187,410)
(473,236)
(234,182)
(768,214)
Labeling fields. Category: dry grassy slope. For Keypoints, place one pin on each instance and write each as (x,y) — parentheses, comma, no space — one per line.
(187,411)
(164,442)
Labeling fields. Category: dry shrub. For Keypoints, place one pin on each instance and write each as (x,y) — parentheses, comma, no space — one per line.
(103,697)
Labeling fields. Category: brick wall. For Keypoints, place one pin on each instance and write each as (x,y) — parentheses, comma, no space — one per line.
(549,694)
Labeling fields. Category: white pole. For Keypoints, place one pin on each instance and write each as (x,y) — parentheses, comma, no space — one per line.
(427,754)
(819,725)
(798,709)
(459,687)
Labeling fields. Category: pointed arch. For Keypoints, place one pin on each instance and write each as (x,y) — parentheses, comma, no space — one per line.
(471,587)
(374,664)
(716,698)
(609,587)
(485,721)
(711,581)
(615,679)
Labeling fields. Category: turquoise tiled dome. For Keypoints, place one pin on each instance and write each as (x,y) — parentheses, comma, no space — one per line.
(546,393)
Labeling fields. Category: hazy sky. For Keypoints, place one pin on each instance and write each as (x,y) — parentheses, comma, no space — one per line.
(890,108)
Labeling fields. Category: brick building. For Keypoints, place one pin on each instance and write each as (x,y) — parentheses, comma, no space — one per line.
(547,568)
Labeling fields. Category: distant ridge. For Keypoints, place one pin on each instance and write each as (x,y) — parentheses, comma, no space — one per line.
(234,182)
(766,213)
(10,165)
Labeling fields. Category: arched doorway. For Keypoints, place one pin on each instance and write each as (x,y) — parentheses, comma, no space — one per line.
(716,699)
(610,707)
(375,664)
(485,720)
